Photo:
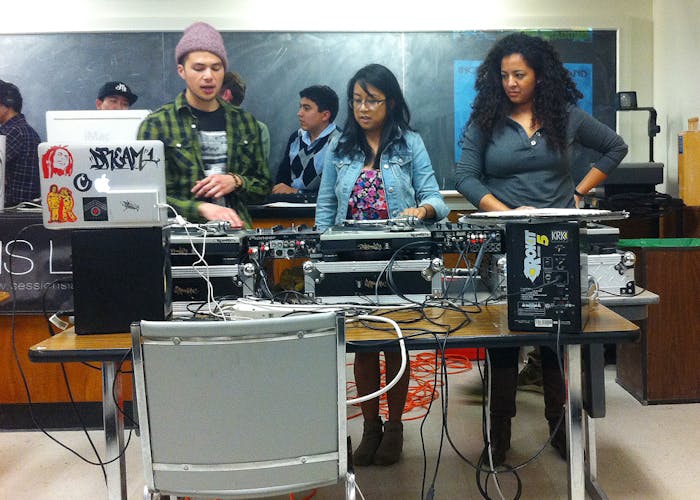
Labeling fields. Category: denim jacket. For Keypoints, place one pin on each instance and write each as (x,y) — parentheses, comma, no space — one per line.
(409,180)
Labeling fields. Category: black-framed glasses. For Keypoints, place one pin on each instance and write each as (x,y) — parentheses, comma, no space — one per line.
(369,103)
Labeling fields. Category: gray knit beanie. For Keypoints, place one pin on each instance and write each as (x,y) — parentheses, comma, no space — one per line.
(201,36)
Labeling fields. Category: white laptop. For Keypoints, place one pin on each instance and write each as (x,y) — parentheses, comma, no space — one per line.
(94,125)
(102,185)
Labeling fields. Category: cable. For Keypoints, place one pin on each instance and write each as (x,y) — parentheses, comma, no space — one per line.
(421,391)
(487,422)
(204,275)
(402,368)
(388,270)
(25,382)
(477,265)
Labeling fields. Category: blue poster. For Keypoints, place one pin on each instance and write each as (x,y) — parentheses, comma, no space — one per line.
(464,92)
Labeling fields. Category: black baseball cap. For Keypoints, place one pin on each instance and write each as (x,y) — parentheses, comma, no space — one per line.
(117,88)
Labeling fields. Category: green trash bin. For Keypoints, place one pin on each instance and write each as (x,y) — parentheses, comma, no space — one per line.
(660,242)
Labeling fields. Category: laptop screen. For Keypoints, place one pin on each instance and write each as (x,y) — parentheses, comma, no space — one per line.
(102,185)
(93,125)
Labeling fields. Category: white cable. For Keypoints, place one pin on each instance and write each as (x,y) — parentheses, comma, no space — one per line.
(488,427)
(206,277)
(487,411)
(267,305)
(181,221)
(594,298)
(357,488)
(402,369)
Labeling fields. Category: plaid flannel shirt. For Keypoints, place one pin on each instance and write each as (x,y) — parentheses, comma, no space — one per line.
(175,125)
(22,161)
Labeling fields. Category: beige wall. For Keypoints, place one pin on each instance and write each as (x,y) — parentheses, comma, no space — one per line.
(632,18)
(676,76)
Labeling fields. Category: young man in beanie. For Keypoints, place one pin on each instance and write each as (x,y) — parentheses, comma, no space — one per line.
(115,95)
(215,166)
(21,142)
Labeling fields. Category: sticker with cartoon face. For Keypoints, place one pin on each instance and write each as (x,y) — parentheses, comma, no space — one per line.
(60,203)
(57,161)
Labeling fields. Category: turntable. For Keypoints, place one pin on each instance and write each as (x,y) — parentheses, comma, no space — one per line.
(376,240)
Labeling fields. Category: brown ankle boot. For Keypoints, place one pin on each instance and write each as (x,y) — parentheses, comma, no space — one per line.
(371,437)
(558,437)
(554,399)
(390,448)
(500,442)
(504,383)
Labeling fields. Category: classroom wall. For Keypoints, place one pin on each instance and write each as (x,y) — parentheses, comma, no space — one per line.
(632,18)
(676,76)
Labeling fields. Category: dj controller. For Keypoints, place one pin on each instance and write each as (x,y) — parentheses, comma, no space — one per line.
(540,265)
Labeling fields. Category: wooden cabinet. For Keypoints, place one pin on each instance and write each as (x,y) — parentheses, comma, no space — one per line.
(662,366)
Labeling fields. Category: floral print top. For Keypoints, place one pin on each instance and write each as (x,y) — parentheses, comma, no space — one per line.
(368,198)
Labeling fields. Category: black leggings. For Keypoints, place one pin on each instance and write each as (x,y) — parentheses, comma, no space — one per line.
(505,357)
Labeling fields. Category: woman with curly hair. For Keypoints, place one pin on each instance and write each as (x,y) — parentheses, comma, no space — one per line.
(517,152)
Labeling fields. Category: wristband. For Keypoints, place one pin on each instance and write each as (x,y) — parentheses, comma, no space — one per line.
(237,181)
(578,194)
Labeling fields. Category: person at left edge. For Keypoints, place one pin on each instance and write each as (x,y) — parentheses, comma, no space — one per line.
(215,165)
(21,142)
(378,168)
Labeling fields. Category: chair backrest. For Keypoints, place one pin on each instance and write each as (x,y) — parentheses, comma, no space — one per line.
(241,408)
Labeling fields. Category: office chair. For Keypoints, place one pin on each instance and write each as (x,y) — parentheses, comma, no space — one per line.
(242,408)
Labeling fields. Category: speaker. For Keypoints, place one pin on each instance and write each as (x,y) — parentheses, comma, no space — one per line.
(120,275)
(547,277)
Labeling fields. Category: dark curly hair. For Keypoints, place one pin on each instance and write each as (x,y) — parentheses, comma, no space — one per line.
(554,91)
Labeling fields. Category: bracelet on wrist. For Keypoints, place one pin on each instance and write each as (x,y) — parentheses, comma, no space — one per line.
(578,194)
(237,181)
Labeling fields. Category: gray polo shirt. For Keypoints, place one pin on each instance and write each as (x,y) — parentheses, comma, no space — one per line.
(520,170)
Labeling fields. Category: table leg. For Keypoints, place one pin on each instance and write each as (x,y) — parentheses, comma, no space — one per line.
(591,462)
(114,432)
(574,430)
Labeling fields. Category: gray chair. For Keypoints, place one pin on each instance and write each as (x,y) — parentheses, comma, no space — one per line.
(243,408)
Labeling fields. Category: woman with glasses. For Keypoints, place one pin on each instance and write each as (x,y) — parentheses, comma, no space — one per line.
(519,151)
(378,169)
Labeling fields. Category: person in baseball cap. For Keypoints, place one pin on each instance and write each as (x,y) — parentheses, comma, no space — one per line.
(115,95)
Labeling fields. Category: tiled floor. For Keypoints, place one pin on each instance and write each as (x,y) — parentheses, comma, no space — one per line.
(644,452)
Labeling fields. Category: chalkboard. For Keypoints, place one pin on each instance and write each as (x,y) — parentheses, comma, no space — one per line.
(64,71)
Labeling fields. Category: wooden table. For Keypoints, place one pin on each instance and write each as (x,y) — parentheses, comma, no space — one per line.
(110,350)
(487,328)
